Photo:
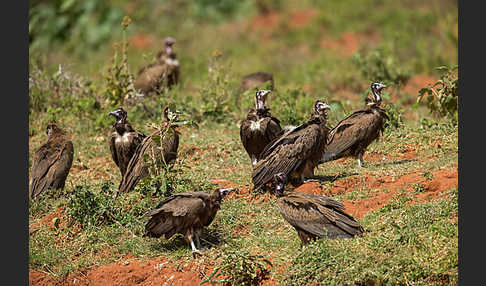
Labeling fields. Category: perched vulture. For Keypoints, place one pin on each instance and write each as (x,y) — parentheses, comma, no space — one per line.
(160,145)
(51,162)
(352,135)
(257,79)
(296,152)
(314,216)
(164,72)
(185,213)
(259,128)
(123,140)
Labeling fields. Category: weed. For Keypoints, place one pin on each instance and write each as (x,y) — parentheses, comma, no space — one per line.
(239,267)
(442,96)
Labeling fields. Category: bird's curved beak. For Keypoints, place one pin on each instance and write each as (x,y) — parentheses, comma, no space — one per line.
(112,113)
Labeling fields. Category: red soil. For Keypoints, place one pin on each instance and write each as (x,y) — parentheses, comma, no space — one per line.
(349,43)
(418,82)
(142,41)
(302,18)
(158,271)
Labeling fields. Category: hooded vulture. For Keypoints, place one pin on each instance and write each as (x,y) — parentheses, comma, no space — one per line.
(296,152)
(51,162)
(159,148)
(352,135)
(123,140)
(257,79)
(164,72)
(185,213)
(314,216)
(259,128)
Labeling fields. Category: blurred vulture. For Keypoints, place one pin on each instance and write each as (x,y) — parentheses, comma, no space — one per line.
(51,162)
(164,72)
(123,140)
(185,213)
(352,135)
(296,152)
(259,128)
(257,79)
(159,148)
(314,216)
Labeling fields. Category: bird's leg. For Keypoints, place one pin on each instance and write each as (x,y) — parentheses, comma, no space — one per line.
(360,160)
(193,247)
(198,242)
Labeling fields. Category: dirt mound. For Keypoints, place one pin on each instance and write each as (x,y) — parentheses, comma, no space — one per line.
(157,271)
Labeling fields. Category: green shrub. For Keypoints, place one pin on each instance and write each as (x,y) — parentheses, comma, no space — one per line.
(239,267)
(442,96)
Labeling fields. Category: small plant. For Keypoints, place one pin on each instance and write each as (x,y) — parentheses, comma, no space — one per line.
(418,187)
(428,175)
(239,267)
(90,209)
(119,80)
(442,97)
(380,66)
(293,106)
(395,114)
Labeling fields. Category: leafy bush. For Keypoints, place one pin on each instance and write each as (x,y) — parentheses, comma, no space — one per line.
(90,209)
(239,267)
(66,21)
(293,106)
(395,114)
(380,66)
(443,95)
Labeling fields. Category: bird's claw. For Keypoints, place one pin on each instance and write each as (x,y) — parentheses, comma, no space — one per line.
(195,253)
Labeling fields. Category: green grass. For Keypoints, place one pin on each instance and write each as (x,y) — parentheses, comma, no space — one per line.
(403,243)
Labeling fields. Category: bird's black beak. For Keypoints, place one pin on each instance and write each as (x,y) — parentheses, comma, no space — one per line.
(112,113)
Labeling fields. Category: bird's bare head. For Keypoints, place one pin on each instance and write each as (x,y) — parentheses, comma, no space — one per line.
(224,191)
(169,41)
(120,114)
(376,88)
(280,180)
(321,108)
(51,127)
(261,98)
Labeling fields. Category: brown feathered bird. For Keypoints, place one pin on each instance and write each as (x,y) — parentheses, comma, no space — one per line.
(185,213)
(352,135)
(123,140)
(259,128)
(257,79)
(51,162)
(314,216)
(296,152)
(164,72)
(159,148)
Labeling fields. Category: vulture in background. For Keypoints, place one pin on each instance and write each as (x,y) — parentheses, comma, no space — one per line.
(123,140)
(257,79)
(259,128)
(164,72)
(51,162)
(160,145)
(352,135)
(296,152)
(314,216)
(185,213)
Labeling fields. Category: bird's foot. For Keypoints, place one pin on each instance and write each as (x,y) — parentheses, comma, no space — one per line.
(310,180)
(196,252)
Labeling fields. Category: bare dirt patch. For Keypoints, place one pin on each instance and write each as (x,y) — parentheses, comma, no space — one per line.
(142,41)
(349,43)
(302,18)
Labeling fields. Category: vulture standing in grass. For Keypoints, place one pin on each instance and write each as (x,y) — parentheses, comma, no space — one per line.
(164,72)
(314,216)
(123,140)
(352,135)
(51,162)
(296,152)
(259,128)
(257,79)
(160,147)
(185,213)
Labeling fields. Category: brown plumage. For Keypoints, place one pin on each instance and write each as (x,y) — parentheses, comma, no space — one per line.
(164,72)
(352,135)
(257,80)
(123,140)
(184,213)
(259,128)
(314,216)
(296,152)
(160,144)
(51,162)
